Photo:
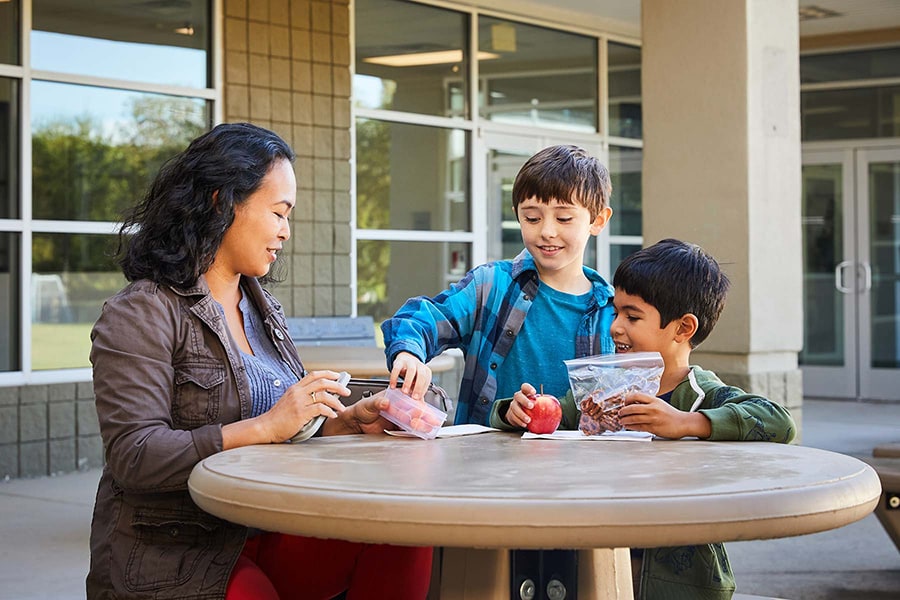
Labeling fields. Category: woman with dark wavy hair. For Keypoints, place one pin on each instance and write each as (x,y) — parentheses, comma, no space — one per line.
(194,357)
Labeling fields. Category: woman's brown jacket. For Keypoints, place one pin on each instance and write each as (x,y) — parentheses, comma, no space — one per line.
(167,376)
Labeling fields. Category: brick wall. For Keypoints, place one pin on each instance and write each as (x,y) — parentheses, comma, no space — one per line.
(287,68)
(48,429)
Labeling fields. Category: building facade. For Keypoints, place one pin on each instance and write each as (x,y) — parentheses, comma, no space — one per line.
(410,120)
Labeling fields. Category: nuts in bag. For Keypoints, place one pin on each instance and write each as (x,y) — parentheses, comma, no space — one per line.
(600,384)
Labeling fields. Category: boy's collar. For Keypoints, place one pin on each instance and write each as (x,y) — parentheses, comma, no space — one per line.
(525,262)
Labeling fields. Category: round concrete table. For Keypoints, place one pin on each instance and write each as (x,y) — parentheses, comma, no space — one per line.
(499,491)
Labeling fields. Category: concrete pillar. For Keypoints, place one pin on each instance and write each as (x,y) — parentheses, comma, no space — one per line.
(722,169)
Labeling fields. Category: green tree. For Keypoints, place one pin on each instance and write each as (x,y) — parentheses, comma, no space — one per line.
(373,188)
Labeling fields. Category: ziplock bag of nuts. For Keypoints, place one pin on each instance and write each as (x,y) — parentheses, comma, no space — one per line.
(600,384)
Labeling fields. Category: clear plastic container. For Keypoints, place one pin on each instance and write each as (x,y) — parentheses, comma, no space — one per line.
(417,418)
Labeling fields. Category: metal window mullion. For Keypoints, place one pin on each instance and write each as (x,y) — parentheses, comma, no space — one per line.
(477,153)
(75,227)
(354,268)
(413,235)
(123,84)
(602,87)
(849,84)
(392,116)
(25,192)
(217,21)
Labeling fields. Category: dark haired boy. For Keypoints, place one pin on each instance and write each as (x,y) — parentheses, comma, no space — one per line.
(668,298)
(518,320)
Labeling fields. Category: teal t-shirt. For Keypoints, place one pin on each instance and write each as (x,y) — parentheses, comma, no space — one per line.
(546,339)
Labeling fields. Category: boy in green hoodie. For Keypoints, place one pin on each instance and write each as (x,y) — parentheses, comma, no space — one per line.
(668,298)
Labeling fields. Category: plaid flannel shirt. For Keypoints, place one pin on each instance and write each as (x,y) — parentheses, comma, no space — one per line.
(482,314)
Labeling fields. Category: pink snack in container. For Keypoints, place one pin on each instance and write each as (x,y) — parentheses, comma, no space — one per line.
(417,418)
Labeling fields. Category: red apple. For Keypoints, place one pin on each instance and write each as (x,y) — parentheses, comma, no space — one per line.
(545,414)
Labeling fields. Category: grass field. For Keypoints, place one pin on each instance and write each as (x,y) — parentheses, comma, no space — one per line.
(60,345)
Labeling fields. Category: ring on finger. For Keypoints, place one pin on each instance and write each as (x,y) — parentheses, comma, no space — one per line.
(313,395)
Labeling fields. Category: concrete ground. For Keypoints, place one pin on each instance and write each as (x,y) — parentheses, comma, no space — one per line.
(856,562)
(45,522)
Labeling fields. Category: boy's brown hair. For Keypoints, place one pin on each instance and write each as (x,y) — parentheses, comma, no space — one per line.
(567,174)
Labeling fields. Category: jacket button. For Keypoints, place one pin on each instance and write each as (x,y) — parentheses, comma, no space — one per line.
(278,334)
(484,400)
(277,383)
(509,333)
(173,531)
(493,366)
(526,297)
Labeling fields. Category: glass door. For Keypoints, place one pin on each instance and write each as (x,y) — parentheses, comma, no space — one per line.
(828,357)
(505,154)
(851,256)
(878,194)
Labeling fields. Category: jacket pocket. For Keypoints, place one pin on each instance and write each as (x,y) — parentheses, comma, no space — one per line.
(198,391)
(168,546)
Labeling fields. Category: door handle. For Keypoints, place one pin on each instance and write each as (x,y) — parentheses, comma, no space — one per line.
(839,277)
(867,276)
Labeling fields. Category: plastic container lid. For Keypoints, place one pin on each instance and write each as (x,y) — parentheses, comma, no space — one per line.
(418,418)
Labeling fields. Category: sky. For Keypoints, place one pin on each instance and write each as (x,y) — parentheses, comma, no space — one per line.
(166,65)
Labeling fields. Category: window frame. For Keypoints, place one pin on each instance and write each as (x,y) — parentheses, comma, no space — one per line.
(26,226)
(480,128)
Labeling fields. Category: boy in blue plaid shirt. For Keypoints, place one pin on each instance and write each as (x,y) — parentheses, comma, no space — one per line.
(517,320)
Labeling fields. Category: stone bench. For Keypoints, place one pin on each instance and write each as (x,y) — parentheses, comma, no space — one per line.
(332,331)
(891,450)
(888,510)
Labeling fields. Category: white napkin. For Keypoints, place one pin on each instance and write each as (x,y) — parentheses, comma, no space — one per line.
(622,436)
(448,431)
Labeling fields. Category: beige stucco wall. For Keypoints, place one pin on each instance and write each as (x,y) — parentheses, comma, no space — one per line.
(722,169)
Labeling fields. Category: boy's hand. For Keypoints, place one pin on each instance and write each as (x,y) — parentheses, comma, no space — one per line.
(416,375)
(643,412)
(521,400)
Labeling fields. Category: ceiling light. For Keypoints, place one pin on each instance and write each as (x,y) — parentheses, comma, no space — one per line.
(503,37)
(188,29)
(418,59)
(808,13)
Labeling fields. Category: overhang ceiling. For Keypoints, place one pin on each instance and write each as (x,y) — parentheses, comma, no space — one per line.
(624,16)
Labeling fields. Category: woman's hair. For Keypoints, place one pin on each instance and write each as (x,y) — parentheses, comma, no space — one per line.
(173,234)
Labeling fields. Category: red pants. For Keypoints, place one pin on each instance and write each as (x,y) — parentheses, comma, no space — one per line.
(275,566)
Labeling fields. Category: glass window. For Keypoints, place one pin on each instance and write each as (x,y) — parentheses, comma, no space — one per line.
(850,66)
(850,113)
(411,177)
(156,42)
(95,150)
(625,91)
(9,301)
(9,148)
(625,166)
(618,253)
(823,248)
(72,275)
(389,273)
(9,32)
(884,250)
(410,58)
(535,76)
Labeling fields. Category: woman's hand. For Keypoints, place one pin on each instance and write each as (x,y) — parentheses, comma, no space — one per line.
(310,397)
(416,375)
(643,412)
(361,417)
